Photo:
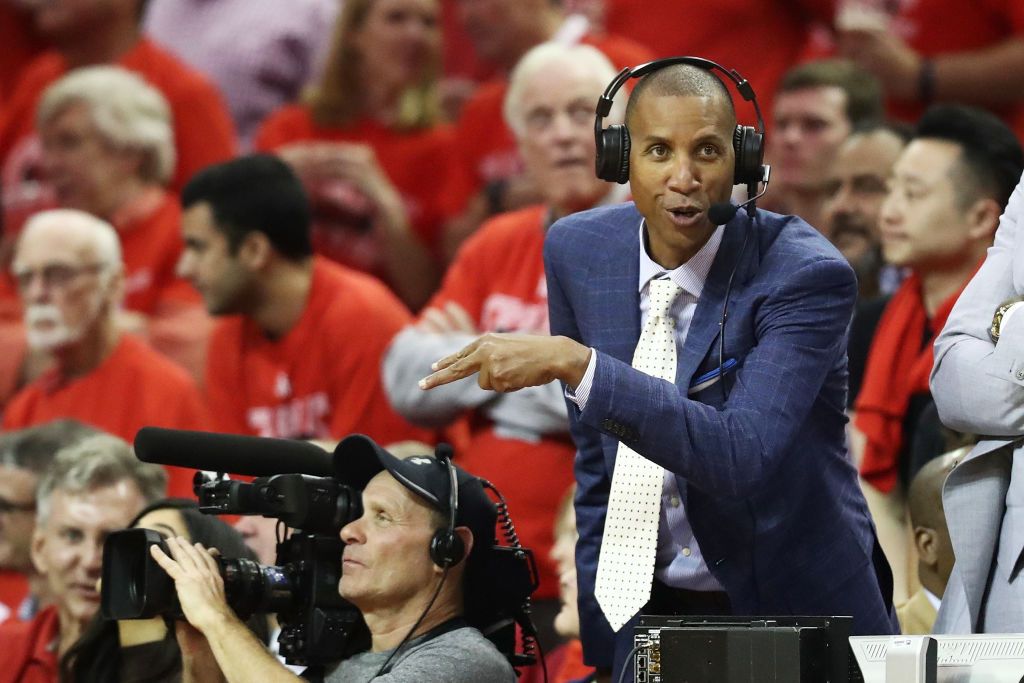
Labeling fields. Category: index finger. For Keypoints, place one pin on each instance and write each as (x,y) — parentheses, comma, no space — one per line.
(451,368)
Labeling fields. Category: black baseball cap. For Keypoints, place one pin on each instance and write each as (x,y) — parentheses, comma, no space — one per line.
(358,459)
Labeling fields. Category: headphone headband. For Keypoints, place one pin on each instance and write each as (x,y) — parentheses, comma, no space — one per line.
(743,87)
(613,142)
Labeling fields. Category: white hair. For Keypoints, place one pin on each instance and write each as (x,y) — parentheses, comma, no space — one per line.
(553,55)
(98,233)
(127,111)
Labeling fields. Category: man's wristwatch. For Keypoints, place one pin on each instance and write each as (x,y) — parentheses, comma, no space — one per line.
(997,319)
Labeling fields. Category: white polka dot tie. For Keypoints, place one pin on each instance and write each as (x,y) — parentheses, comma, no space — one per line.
(625,567)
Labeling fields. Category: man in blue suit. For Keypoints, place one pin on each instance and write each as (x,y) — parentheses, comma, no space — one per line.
(761,513)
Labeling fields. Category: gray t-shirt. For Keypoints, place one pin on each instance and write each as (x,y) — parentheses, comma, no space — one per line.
(459,656)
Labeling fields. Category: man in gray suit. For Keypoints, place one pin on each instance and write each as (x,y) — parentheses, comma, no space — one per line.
(978,386)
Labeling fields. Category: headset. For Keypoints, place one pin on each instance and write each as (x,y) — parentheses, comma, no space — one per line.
(446,547)
(613,142)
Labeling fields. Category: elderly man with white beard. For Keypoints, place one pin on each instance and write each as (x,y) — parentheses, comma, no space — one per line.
(70,277)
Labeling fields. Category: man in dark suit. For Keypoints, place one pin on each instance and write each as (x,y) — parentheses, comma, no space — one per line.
(761,512)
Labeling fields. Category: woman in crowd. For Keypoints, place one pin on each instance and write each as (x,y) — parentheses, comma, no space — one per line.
(147,649)
(368,144)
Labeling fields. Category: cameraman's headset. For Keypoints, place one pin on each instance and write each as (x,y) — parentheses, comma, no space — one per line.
(613,142)
(446,546)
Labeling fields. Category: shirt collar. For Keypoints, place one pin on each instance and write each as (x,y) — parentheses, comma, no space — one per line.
(692,275)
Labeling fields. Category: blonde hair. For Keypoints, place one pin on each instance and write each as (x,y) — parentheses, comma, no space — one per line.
(127,111)
(96,462)
(336,99)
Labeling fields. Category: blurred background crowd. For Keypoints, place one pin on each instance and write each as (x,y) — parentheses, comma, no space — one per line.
(268,217)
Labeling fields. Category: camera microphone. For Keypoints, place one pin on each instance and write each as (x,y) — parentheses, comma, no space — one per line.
(251,455)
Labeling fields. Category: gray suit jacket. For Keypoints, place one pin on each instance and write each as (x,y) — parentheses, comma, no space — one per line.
(978,388)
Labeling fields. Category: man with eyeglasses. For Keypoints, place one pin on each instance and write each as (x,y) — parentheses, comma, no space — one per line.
(70,277)
(25,456)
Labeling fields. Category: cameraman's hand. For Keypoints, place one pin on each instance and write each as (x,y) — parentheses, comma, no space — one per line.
(198,582)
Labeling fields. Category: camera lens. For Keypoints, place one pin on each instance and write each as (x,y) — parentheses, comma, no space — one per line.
(252,588)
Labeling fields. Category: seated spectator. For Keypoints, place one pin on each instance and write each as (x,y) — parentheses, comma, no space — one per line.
(492,171)
(108,150)
(92,488)
(931,541)
(520,441)
(367,145)
(94,33)
(857,184)
(70,277)
(283,48)
(25,456)
(298,350)
(817,106)
(949,187)
(146,649)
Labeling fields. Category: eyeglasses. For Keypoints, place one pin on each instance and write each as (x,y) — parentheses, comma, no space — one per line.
(7,507)
(54,275)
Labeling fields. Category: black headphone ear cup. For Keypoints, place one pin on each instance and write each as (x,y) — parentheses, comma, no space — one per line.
(446,549)
(613,154)
(749,147)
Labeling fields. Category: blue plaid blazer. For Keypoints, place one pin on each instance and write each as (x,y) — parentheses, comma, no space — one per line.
(771,493)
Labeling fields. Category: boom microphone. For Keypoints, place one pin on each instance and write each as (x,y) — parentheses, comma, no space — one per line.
(721,213)
(250,455)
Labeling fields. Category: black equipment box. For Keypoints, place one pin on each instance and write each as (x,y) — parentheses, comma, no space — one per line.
(742,650)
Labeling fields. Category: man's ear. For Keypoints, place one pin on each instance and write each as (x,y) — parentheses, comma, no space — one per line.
(255,250)
(925,540)
(466,535)
(983,218)
(36,550)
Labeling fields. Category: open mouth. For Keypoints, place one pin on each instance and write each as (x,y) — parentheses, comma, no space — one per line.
(685,215)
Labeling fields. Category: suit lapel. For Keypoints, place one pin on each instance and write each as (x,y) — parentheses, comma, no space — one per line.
(704,327)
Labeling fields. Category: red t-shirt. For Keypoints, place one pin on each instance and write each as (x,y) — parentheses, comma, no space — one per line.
(937,27)
(203,132)
(13,591)
(28,649)
(417,162)
(498,278)
(133,388)
(21,45)
(487,149)
(320,380)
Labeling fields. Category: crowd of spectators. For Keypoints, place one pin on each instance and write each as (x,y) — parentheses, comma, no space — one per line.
(269,218)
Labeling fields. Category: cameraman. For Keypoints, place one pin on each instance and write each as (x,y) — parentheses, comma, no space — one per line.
(389,573)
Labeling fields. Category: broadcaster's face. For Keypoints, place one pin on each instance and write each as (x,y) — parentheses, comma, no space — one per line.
(681,161)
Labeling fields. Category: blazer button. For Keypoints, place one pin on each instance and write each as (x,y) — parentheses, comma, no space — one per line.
(1020,374)
(608,424)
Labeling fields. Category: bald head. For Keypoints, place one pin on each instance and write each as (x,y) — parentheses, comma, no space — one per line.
(681,80)
(70,279)
(92,239)
(925,495)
